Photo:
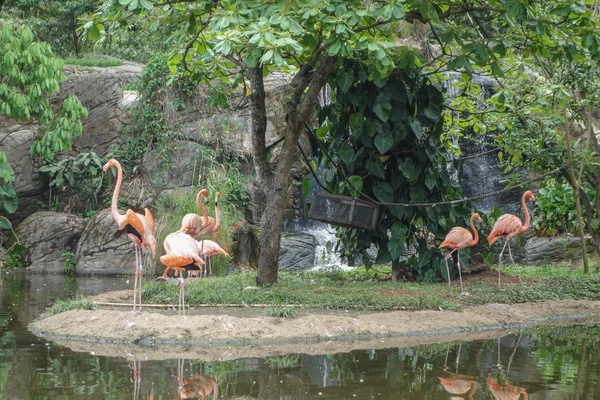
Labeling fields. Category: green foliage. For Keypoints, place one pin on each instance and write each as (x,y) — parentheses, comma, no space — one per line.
(14,256)
(555,208)
(82,176)
(394,157)
(54,21)
(93,61)
(78,302)
(70,265)
(281,312)
(149,130)
(29,74)
(224,178)
(283,362)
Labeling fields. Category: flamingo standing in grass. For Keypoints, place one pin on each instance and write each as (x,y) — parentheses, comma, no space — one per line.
(208,248)
(509,226)
(139,228)
(183,254)
(457,239)
(193,224)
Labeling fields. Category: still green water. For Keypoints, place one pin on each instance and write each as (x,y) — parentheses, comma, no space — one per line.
(544,363)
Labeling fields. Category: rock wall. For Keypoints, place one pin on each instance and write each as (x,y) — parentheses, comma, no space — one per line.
(48,235)
(101,92)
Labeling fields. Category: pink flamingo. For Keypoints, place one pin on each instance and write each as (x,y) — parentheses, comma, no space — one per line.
(139,228)
(214,224)
(183,254)
(458,238)
(208,248)
(193,224)
(509,226)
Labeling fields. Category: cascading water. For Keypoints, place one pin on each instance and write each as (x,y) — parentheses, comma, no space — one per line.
(481,174)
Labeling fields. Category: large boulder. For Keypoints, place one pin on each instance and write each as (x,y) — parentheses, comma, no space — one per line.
(101,92)
(297,251)
(99,253)
(545,250)
(48,235)
(16,140)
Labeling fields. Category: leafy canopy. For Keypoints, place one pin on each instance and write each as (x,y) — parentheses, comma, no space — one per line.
(385,135)
(29,75)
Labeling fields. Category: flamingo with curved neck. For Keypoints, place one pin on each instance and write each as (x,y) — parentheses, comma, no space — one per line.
(509,226)
(192,223)
(138,228)
(458,238)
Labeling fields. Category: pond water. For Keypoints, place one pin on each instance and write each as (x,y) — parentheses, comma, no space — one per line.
(542,363)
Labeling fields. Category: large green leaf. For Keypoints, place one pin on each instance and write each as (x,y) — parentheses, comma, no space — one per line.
(5,224)
(382,108)
(384,142)
(357,182)
(345,153)
(344,79)
(375,167)
(384,193)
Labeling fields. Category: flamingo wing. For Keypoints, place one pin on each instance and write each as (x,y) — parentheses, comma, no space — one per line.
(456,237)
(182,245)
(148,215)
(210,248)
(507,225)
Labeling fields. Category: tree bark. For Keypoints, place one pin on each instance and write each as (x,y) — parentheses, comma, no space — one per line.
(299,110)
(577,194)
(396,270)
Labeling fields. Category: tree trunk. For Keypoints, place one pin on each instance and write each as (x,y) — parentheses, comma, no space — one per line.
(396,270)
(76,43)
(271,225)
(577,194)
(300,109)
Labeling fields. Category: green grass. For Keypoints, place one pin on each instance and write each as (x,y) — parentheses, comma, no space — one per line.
(282,312)
(302,289)
(93,61)
(78,302)
(359,290)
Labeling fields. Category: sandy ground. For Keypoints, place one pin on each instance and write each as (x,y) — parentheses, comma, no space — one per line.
(221,336)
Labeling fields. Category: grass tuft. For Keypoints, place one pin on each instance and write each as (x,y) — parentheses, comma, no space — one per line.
(281,312)
(78,302)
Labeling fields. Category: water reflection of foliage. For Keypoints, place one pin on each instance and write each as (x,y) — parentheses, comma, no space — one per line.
(224,372)
(283,362)
(558,353)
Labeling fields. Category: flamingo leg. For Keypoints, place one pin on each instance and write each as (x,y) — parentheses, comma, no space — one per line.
(459,273)
(500,262)
(136,278)
(137,376)
(513,261)
(209,267)
(140,279)
(181,305)
(448,269)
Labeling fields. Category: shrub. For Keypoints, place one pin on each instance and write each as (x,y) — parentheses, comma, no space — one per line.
(555,208)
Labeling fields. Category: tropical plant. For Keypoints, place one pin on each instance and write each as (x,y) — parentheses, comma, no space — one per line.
(82,174)
(385,135)
(29,74)
(555,208)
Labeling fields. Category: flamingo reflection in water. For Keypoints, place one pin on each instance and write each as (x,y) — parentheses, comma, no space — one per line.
(196,386)
(506,391)
(457,384)
(137,379)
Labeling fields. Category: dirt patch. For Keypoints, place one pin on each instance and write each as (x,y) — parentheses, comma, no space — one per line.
(211,336)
